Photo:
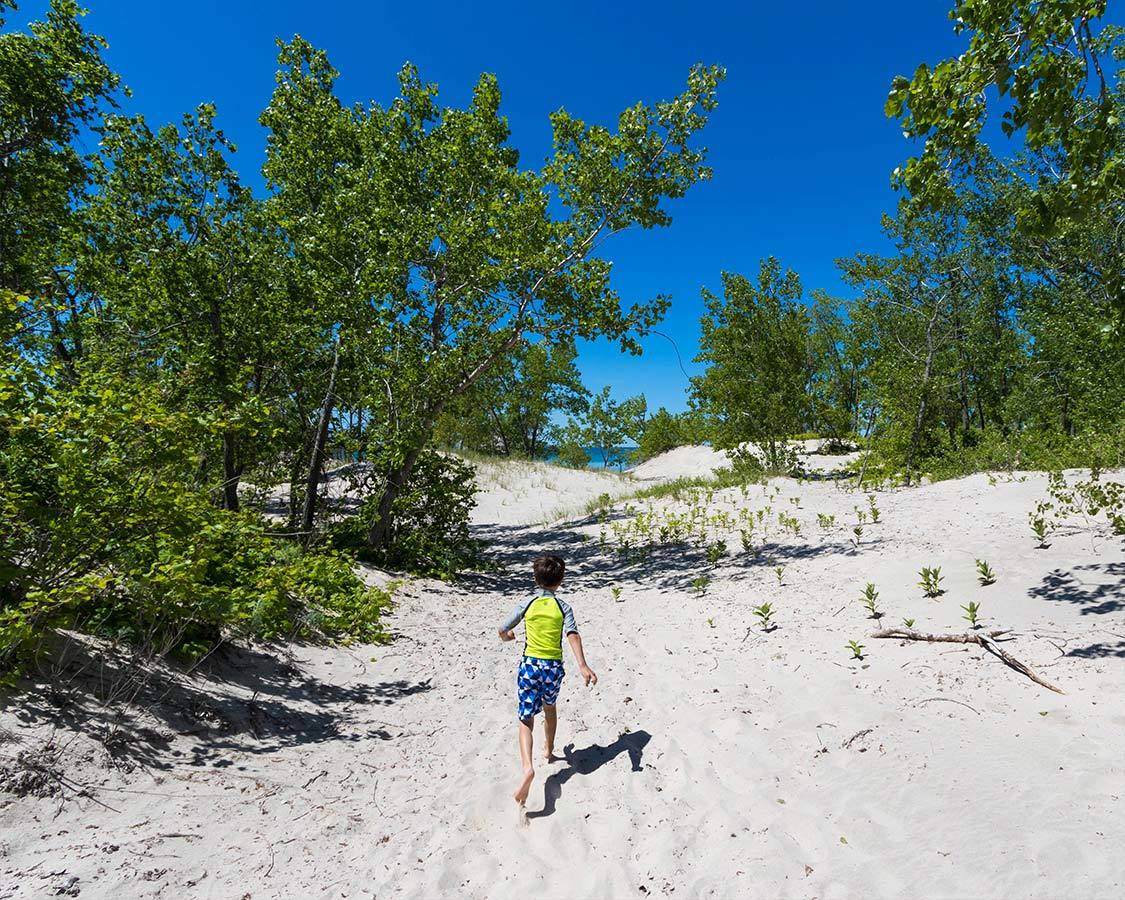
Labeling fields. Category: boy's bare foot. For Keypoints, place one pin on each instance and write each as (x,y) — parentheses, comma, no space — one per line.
(522,791)
(549,757)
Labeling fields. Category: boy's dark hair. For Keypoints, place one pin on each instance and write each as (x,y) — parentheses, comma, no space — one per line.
(549,571)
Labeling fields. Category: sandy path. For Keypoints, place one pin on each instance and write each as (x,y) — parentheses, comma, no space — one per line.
(711,760)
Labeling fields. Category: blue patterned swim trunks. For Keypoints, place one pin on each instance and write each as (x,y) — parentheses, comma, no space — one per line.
(538,682)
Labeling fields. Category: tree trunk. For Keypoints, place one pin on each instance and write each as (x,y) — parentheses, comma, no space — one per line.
(500,431)
(533,443)
(398,477)
(920,418)
(232,472)
(395,482)
(316,457)
(966,419)
(295,488)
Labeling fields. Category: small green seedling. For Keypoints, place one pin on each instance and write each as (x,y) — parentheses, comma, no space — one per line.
(931,581)
(909,623)
(825,521)
(870,598)
(711,622)
(616,591)
(716,551)
(700,584)
(857,649)
(985,575)
(873,509)
(1039,529)
(857,534)
(779,571)
(972,609)
(765,613)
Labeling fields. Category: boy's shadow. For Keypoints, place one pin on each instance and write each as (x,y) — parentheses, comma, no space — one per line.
(587,760)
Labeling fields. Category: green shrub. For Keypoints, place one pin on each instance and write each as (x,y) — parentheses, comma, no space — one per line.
(573,455)
(430,531)
(1027,450)
(103,530)
(1091,496)
(326,599)
(744,468)
(663,431)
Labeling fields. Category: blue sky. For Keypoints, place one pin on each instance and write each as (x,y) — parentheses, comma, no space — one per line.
(801,151)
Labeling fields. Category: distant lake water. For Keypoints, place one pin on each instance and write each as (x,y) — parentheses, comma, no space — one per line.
(618,457)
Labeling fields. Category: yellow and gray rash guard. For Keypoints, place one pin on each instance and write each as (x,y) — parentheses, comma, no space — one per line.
(546,619)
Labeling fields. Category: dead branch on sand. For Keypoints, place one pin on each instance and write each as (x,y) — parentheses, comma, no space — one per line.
(980,638)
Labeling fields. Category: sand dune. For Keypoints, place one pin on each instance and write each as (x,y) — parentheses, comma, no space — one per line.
(693,461)
(712,760)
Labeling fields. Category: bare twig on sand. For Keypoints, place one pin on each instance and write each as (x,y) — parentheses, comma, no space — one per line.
(980,638)
(319,774)
(948,700)
(855,737)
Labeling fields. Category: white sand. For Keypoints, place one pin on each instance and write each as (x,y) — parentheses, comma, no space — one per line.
(711,761)
(683,462)
(524,493)
(692,461)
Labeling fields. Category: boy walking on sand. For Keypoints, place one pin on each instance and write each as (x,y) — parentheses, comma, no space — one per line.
(546,619)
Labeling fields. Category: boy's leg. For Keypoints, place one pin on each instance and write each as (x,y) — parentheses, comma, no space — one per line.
(529,688)
(552,683)
(526,739)
(550,722)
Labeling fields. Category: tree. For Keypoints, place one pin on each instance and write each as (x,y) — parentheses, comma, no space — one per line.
(936,324)
(610,423)
(571,451)
(1063,88)
(755,341)
(139,292)
(175,246)
(423,220)
(839,385)
(509,410)
(53,83)
(664,431)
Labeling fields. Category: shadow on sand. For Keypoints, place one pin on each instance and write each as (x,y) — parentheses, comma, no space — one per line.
(242,701)
(1105,593)
(589,760)
(667,567)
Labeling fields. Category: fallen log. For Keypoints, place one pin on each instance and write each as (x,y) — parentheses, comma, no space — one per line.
(981,638)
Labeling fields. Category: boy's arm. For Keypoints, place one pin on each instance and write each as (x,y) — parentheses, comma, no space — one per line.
(588,674)
(570,628)
(505,631)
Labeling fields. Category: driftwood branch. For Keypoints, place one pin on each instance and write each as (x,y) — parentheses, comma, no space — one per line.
(981,638)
